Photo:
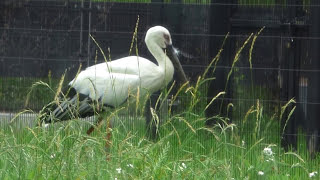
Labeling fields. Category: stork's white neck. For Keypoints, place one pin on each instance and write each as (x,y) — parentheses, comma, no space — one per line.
(164,63)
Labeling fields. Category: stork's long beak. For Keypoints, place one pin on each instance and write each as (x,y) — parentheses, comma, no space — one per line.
(171,53)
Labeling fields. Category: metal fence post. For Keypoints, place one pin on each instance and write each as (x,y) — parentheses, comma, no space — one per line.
(219,11)
(89,32)
(81,30)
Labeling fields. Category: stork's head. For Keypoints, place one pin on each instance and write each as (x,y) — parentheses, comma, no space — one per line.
(160,36)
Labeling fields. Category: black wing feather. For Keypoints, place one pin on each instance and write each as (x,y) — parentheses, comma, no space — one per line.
(72,105)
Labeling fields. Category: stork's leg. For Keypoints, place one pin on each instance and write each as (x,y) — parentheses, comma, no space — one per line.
(91,129)
(150,124)
(108,139)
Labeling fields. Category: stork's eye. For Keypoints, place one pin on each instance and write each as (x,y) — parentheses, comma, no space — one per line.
(166,37)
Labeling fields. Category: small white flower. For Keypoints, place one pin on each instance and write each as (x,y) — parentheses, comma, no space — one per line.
(118,170)
(52,156)
(243,143)
(181,168)
(130,165)
(312,174)
(261,173)
(268,151)
(270,159)
(115,178)
(287,175)
(184,165)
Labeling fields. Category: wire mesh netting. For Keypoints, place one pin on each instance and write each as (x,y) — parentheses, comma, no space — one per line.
(267,64)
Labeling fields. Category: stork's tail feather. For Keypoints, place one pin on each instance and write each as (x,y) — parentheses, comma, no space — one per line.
(69,108)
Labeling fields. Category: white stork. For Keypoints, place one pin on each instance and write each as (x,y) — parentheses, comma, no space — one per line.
(109,83)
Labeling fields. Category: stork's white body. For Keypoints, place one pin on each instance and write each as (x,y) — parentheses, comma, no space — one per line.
(112,82)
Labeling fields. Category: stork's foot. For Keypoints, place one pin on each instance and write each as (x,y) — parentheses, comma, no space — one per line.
(108,136)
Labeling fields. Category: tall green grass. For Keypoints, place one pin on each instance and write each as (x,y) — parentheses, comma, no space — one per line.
(13,91)
(185,149)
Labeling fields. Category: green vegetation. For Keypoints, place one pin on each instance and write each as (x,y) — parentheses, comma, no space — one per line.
(269,2)
(190,151)
(13,92)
